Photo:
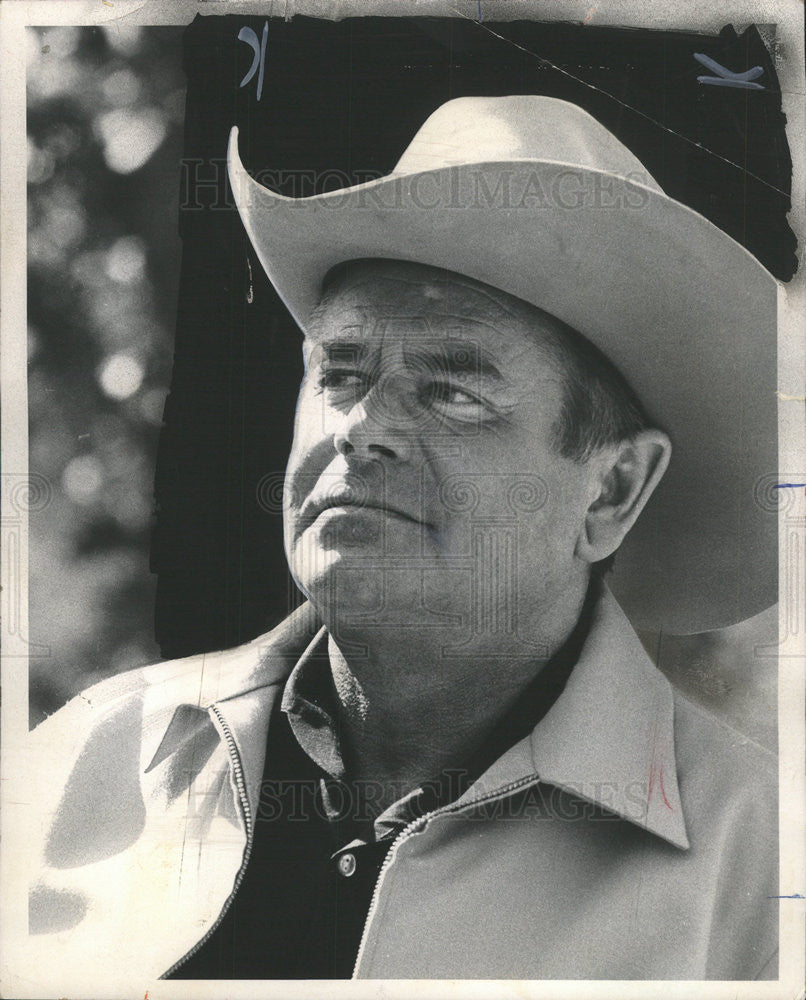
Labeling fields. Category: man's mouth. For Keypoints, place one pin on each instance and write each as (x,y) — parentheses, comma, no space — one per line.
(316,506)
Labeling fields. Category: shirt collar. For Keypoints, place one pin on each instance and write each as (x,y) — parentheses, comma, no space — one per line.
(309,702)
(608,738)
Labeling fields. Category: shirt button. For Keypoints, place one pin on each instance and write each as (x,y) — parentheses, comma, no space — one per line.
(347,865)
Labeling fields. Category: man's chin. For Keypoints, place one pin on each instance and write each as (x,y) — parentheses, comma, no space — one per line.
(335,571)
(361,585)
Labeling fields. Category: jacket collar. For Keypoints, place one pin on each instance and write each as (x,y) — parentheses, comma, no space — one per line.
(240,687)
(608,739)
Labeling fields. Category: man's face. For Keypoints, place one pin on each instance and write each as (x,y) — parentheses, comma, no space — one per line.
(423,480)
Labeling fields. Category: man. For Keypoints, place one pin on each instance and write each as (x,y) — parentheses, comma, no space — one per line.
(457,761)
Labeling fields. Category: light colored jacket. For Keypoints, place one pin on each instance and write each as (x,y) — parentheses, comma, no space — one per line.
(656,860)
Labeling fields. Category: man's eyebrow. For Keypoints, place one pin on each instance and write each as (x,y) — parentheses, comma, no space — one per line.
(454,357)
(460,358)
(335,350)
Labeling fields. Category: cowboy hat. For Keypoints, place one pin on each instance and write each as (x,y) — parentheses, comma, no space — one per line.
(532,195)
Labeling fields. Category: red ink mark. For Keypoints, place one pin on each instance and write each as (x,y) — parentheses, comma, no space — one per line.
(146,996)
(662,791)
(651,783)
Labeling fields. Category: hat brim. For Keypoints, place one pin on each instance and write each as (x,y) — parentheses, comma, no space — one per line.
(686,314)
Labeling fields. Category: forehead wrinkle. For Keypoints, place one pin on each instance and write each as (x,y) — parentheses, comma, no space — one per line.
(372,274)
(495,297)
(441,347)
(538,328)
(429,314)
(315,327)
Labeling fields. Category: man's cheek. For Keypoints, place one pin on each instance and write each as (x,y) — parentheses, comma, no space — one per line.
(309,420)
(316,423)
(312,445)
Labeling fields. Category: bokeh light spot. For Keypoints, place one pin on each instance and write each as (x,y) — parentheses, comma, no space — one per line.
(66,224)
(121,88)
(62,141)
(40,164)
(82,479)
(52,68)
(132,510)
(130,137)
(34,342)
(120,376)
(126,260)
(33,45)
(63,223)
(123,38)
(61,42)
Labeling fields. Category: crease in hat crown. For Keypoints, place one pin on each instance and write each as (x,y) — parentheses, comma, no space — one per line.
(518,128)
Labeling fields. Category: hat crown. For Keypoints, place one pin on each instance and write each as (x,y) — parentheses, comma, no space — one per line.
(518,128)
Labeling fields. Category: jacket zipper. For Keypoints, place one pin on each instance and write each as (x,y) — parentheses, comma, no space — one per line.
(246,810)
(414,827)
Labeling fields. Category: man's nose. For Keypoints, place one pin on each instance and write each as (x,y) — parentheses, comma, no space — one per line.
(383,424)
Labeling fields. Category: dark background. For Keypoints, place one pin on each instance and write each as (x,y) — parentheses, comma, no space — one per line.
(339,104)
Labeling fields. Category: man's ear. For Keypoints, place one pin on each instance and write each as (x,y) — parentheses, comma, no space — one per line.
(625,477)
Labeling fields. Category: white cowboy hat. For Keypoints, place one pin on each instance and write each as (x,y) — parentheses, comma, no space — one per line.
(533,196)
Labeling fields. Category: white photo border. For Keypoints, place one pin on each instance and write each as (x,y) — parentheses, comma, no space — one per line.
(788,16)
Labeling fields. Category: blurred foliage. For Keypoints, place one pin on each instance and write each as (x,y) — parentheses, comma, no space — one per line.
(105,118)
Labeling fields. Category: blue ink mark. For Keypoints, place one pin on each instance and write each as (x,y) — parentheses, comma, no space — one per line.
(726,77)
(788,486)
(795,895)
(479,11)
(716,82)
(259,60)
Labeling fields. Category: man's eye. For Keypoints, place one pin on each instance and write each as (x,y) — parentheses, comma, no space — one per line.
(448,394)
(340,380)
